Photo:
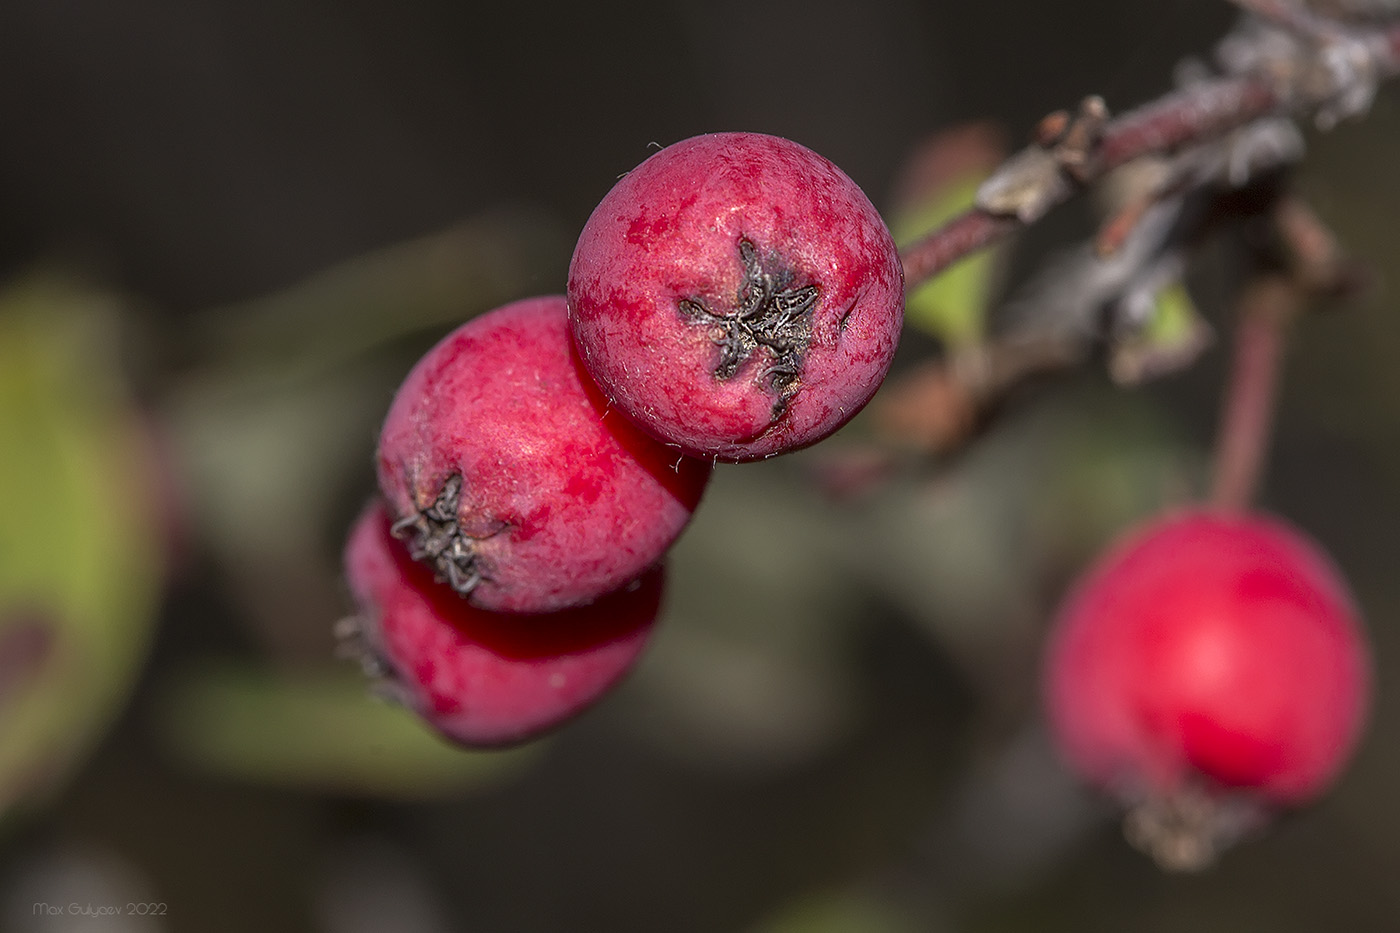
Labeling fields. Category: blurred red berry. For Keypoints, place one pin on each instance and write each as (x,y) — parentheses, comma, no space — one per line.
(737,295)
(1208,669)
(509,475)
(485,679)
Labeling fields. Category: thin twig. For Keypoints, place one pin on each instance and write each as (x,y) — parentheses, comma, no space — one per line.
(1208,141)
(1197,114)
(959,237)
(1266,309)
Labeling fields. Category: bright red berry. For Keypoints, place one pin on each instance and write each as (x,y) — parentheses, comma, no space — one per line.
(737,295)
(483,678)
(508,474)
(1208,669)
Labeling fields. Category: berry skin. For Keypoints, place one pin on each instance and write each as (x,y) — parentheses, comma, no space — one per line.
(484,679)
(1209,669)
(736,295)
(506,471)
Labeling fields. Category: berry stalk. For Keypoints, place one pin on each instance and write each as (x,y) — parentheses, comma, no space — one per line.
(1246,420)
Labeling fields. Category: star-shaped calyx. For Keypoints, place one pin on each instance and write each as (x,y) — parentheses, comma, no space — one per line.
(770,312)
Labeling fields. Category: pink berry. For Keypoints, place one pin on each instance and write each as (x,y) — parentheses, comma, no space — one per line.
(737,295)
(506,471)
(1210,668)
(483,678)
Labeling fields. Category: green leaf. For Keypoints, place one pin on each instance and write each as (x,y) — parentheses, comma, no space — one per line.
(279,418)
(318,731)
(837,912)
(80,550)
(426,284)
(951,306)
(1171,339)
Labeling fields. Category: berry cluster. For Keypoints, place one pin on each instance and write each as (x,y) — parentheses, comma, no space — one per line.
(734,297)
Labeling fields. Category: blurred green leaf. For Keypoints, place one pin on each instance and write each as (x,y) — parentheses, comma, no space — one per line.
(967,554)
(279,420)
(1113,461)
(1172,337)
(953,304)
(940,181)
(318,731)
(80,550)
(751,675)
(428,283)
(840,912)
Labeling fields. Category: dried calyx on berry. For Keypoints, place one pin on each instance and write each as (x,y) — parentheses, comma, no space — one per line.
(771,313)
(508,474)
(433,536)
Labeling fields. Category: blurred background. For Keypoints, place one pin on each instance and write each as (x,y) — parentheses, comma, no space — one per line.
(227,229)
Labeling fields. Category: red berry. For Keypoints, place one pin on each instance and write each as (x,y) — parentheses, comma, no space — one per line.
(737,295)
(1208,669)
(509,475)
(484,678)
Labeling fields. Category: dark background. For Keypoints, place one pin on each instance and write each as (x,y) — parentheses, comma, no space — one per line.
(850,739)
(214,151)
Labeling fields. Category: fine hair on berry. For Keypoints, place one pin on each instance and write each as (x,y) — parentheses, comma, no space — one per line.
(737,295)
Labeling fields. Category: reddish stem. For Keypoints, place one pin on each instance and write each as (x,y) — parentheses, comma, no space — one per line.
(1202,112)
(1247,419)
(959,237)
(1194,115)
